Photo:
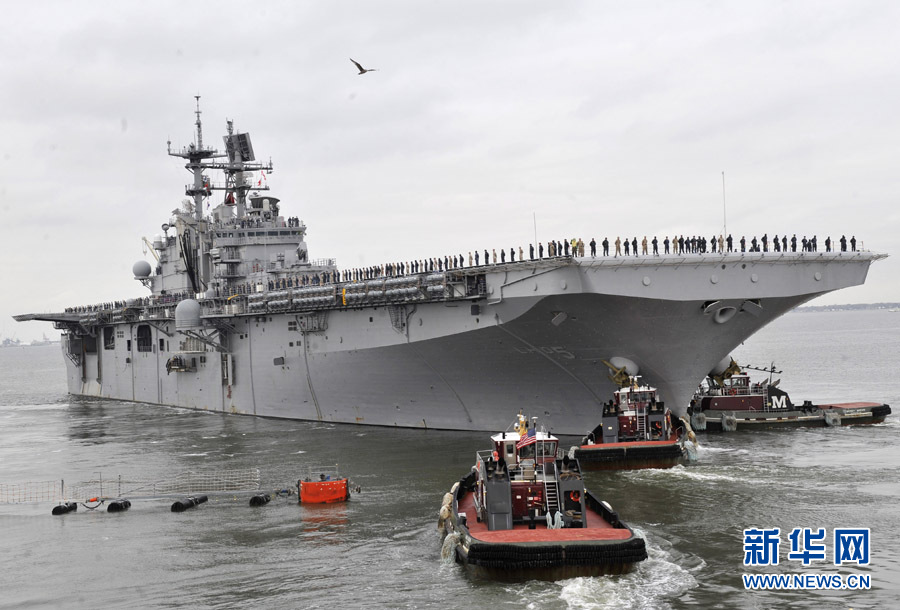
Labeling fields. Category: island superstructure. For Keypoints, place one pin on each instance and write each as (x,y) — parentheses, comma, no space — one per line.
(240,319)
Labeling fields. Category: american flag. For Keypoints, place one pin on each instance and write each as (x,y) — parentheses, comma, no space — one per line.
(528,439)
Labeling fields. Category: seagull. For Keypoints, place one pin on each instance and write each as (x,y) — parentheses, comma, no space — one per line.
(361,69)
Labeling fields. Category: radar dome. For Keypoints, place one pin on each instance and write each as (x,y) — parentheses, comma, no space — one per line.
(141,269)
(187,314)
(630,367)
(720,368)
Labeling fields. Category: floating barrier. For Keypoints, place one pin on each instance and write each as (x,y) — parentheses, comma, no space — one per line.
(190,502)
(118,506)
(260,500)
(65,507)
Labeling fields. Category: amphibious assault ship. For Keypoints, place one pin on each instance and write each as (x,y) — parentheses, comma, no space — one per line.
(240,319)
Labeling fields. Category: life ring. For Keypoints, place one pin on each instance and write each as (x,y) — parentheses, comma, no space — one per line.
(575,496)
(732,392)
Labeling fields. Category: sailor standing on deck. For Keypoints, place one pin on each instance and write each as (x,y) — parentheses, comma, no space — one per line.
(593,248)
(619,246)
(540,249)
(655,246)
(531,251)
(666,244)
(644,246)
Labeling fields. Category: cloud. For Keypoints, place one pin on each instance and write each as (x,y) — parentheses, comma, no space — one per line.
(594,118)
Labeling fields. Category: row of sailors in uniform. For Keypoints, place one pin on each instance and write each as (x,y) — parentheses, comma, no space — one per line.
(573,247)
(162,299)
(700,245)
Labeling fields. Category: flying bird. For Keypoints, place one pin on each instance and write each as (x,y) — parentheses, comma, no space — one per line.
(361,69)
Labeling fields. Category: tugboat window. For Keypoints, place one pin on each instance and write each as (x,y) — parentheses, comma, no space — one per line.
(144,338)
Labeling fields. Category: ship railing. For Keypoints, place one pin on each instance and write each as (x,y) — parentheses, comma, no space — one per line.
(323,473)
(257,236)
(728,391)
(323,262)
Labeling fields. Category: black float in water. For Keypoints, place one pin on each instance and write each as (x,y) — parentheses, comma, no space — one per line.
(117,506)
(65,507)
(260,500)
(189,502)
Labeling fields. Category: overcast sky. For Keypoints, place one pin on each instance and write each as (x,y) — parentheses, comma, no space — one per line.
(596,118)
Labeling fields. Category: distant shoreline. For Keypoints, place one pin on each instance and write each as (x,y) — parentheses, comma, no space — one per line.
(848,307)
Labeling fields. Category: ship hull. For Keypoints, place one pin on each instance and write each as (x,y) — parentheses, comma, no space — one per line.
(536,339)
(849,414)
(633,455)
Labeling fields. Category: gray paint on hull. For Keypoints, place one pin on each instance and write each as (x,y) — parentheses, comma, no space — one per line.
(447,368)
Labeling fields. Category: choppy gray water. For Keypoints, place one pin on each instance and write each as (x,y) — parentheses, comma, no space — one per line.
(382,549)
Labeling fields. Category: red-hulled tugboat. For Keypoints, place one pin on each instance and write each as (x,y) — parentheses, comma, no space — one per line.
(522,514)
(728,400)
(635,431)
(323,485)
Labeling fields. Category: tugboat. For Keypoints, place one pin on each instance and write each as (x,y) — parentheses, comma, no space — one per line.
(522,513)
(636,431)
(323,485)
(729,399)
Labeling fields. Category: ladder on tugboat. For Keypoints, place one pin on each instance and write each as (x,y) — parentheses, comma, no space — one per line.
(641,422)
(551,488)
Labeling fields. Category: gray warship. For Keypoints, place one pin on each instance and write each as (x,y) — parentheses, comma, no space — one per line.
(240,319)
